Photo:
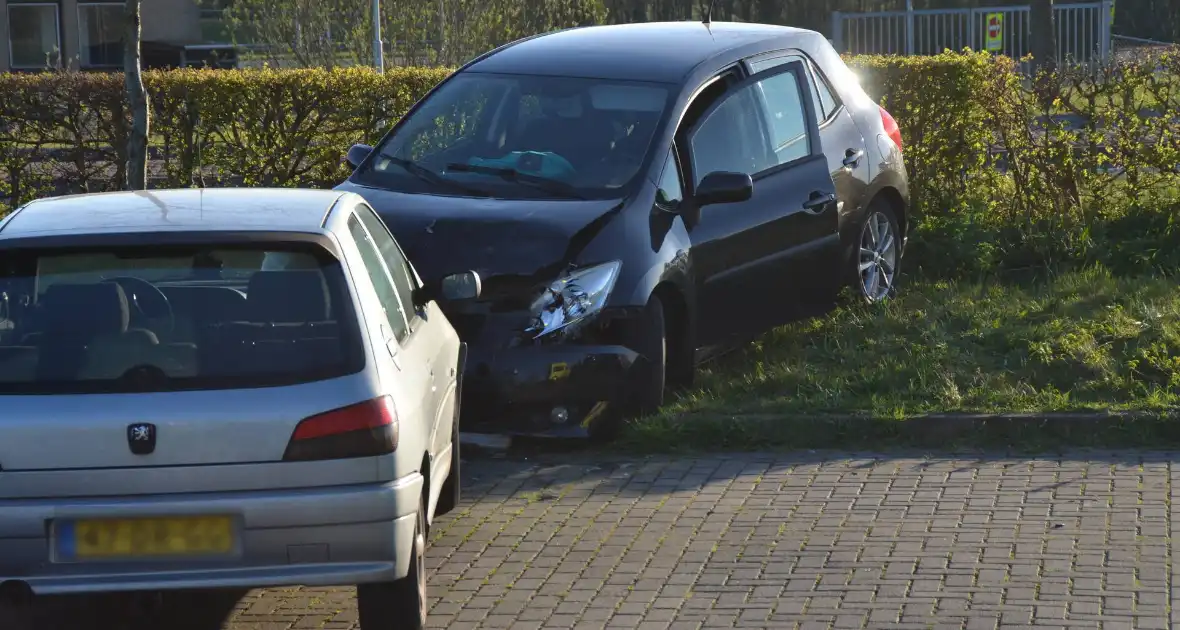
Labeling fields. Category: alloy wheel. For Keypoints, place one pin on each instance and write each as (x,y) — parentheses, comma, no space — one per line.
(420,561)
(878,257)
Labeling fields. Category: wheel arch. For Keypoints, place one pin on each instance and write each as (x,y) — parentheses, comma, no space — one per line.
(893,197)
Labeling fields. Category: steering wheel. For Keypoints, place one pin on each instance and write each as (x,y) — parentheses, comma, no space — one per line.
(149,301)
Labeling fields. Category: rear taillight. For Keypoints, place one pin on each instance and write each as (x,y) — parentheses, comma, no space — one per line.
(362,430)
(891,128)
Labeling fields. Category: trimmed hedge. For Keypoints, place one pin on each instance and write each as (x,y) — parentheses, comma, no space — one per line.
(1078,167)
(286,128)
(1003,174)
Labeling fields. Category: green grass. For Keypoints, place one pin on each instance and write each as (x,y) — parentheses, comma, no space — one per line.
(1082,340)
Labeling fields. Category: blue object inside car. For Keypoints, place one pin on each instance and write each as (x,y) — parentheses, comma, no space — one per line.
(541,163)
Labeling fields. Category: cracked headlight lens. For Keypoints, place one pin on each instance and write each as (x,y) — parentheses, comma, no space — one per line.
(572,299)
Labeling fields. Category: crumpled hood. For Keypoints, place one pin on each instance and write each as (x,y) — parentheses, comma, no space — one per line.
(493,237)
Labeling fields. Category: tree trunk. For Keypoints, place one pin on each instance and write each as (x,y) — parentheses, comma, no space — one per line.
(1044,36)
(1044,50)
(137,99)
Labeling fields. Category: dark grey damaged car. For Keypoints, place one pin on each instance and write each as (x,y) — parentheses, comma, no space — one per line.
(634,197)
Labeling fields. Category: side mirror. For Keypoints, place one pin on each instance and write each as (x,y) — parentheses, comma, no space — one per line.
(461,286)
(453,288)
(357,154)
(724,187)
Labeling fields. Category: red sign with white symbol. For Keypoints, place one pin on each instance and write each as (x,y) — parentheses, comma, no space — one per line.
(995,31)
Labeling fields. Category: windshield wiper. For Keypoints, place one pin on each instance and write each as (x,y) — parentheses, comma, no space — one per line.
(546,184)
(431,177)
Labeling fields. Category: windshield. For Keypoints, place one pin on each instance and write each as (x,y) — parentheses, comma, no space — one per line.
(160,318)
(522,137)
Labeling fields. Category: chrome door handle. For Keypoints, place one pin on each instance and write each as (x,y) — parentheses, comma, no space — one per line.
(818,202)
(852,158)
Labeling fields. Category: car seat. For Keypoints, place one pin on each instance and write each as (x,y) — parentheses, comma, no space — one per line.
(86,333)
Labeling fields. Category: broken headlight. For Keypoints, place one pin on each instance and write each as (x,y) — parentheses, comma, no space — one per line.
(572,300)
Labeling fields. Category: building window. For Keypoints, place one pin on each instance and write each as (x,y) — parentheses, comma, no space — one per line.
(33,36)
(100,35)
(214,29)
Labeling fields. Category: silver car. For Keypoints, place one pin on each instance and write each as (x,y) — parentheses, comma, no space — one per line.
(222,388)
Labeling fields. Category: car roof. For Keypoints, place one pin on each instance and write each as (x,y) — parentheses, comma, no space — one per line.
(664,52)
(204,209)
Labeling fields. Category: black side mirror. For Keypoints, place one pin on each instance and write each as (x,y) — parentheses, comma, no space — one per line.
(357,154)
(456,287)
(724,187)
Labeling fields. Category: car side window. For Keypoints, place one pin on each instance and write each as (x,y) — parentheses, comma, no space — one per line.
(782,100)
(730,138)
(395,260)
(670,192)
(395,317)
(821,94)
(824,90)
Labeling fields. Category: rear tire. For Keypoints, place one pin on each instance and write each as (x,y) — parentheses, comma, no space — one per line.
(876,259)
(401,604)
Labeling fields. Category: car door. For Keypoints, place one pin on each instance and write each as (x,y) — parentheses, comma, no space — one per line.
(410,356)
(842,139)
(755,260)
(427,338)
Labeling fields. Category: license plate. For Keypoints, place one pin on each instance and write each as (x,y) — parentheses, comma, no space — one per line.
(145,537)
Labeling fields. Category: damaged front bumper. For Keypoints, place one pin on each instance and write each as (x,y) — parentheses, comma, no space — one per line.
(551,390)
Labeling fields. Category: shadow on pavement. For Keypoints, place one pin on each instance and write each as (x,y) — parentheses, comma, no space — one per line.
(178,610)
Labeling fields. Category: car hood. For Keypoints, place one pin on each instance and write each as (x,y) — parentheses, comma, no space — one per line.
(527,239)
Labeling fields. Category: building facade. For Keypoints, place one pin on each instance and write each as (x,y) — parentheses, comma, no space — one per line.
(85,35)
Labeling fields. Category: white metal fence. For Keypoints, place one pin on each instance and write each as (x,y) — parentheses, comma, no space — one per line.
(1083,31)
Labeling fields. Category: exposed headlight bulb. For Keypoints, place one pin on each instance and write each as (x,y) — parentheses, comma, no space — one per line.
(572,299)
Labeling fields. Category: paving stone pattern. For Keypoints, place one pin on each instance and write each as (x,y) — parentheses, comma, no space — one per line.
(816,541)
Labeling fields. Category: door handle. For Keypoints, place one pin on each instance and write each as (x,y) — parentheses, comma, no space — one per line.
(818,202)
(391,346)
(852,158)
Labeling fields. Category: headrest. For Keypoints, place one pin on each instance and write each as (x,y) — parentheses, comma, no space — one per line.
(85,310)
(288,296)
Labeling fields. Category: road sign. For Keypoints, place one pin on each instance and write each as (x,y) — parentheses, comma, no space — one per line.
(995,32)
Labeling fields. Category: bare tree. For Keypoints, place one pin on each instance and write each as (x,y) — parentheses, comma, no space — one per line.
(137,98)
(416,32)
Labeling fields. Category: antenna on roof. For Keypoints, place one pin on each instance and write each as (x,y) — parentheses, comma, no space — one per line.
(709,12)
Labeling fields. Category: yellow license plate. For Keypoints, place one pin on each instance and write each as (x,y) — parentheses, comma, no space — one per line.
(145,537)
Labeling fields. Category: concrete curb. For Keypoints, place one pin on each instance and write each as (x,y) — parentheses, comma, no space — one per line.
(726,431)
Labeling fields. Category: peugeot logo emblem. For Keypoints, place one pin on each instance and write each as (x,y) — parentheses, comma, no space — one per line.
(141,437)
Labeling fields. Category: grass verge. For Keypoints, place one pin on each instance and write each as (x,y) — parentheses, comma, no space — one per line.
(1075,342)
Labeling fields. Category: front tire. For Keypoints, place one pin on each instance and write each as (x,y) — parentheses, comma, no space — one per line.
(651,341)
(401,604)
(876,258)
(647,335)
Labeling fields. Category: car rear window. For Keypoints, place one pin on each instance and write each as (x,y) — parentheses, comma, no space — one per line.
(151,318)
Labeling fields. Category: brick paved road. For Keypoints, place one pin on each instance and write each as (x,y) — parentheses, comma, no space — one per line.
(807,541)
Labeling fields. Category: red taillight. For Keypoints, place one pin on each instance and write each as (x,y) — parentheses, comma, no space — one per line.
(891,128)
(361,430)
